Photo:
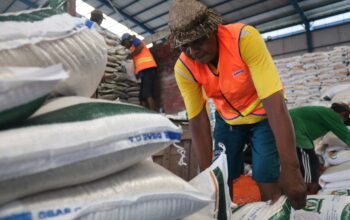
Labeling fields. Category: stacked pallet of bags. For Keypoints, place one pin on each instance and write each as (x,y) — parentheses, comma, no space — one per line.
(74,157)
(306,77)
(85,150)
(119,82)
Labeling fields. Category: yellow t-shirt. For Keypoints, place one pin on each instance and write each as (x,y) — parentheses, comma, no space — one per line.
(261,66)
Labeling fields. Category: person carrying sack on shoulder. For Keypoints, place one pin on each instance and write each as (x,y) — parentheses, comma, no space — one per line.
(145,68)
(233,66)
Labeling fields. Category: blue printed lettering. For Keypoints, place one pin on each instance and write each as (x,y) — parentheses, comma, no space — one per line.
(138,138)
(53,213)
(146,137)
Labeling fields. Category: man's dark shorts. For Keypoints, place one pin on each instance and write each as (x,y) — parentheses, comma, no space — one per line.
(148,77)
(309,165)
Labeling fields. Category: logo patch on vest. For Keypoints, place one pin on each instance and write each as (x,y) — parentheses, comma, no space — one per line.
(238,72)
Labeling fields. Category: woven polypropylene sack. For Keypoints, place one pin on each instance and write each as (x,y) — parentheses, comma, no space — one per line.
(336,176)
(342,97)
(337,157)
(145,191)
(53,40)
(332,140)
(329,92)
(280,210)
(24,90)
(327,207)
(73,140)
(213,182)
(30,15)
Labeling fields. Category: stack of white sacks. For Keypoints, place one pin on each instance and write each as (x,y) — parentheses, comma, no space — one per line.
(119,81)
(337,160)
(73,157)
(335,152)
(306,77)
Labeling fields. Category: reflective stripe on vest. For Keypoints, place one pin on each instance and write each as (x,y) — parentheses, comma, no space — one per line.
(232,89)
(144,59)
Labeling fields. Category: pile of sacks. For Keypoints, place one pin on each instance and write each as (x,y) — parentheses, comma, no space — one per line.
(119,81)
(337,160)
(73,157)
(305,77)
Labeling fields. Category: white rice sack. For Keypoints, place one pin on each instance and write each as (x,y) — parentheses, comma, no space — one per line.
(337,157)
(332,140)
(129,67)
(329,92)
(213,182)
(337,192)
(335,148)
(24,90)
(317,207)
(342,97)
(141,192)
(335,174)
(73,140)
(57,39)
(280,210)
(336,185)
(327,207)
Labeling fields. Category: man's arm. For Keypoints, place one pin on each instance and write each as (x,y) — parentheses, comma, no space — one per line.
(136,51)
(194,101)
(291,180)
(201,138)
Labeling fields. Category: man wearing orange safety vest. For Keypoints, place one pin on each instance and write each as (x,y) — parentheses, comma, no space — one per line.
(232,65)
(145,68)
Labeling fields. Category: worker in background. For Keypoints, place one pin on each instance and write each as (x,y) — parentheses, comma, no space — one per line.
(145,68)
(97,16)
(232,64)
(310,123)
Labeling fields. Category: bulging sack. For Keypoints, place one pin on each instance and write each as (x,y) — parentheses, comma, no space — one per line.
(330,92)
(24,90)
(332,140)
(337,157)
(334,174)
(57,39)
(213,182)
(73,140)
(144,191)
(342,97)
(280,210)
(336,192)
(327,207)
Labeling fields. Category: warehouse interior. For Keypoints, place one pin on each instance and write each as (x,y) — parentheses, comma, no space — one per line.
(85,137)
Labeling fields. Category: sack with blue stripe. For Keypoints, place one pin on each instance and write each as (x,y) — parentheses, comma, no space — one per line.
(145,191)
(72,140)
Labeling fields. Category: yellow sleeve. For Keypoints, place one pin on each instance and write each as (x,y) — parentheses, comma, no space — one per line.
(261,66)
(190,90)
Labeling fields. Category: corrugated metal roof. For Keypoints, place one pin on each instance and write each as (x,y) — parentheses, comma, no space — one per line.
(148,16)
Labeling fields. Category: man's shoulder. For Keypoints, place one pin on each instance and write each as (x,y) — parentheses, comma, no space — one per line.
(136,41)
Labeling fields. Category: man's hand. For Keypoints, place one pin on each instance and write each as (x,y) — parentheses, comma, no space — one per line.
(291,181)
(293,186)
(129,57)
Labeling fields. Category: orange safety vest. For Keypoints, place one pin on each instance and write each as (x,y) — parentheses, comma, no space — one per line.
(144,59)
(232,88)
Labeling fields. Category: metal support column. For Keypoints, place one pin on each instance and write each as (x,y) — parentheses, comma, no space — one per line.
(306,23)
